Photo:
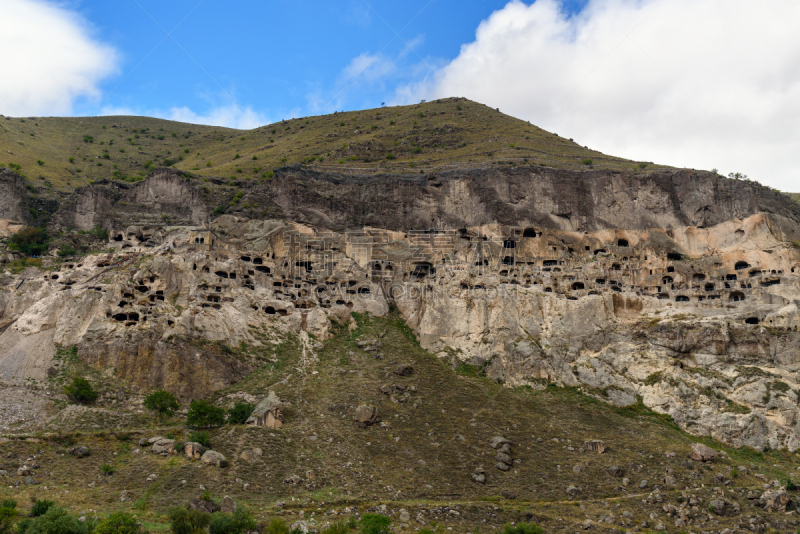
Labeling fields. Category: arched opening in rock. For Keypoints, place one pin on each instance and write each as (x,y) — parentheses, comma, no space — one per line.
(577,286)
(246,258)
(681,298)
(736,296)
(549,263)
(709,287)
(509,243)
(741,265)
(622,242)
(667,280)
(751,320)
(730,277)
(616,267)
(529,232)
(599,251)
(269,310)
(221,274)
(674,256)
(600,281)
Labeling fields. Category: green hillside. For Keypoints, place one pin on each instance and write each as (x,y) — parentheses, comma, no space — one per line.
(68,152)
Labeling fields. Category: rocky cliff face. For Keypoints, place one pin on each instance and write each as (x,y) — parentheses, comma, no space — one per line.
(680,291)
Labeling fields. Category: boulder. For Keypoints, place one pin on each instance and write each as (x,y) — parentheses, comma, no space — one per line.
(144,442)
(153,440)
(300,526)
(125,496)
(502,466)
(30,481)
(506,459)
(573,491)
(24,471)
(228,505)
(3,473)
(595,445)
(194,450)
(201,505)
(703,453)
(616,471)
(163,446)
(249,456)
(499,440)
(214,458)
(80,452)
(365,416)
(479,476)
(774,500)
(292,479)
(268,413)
(403,369)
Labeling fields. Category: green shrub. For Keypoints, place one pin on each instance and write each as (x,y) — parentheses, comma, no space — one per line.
(40,507)
(99,233)
(390,156)
(523,528)
(240,412)
(587,161)
(119,523)
(66,250)
(241,521)
(219,210)
(276,526)
(203,414)
(162,402)
(40,162)
(107,469)
(81,391)
(55,521)
(88,139)
(340,527)
(8,512)
(183,521)
(30,241)
(201,437)
(374,524)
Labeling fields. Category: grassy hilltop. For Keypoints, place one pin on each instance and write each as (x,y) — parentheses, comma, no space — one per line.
(65,153)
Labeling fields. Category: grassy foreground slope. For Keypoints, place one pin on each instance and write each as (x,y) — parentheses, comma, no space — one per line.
(69,152)
(430,439)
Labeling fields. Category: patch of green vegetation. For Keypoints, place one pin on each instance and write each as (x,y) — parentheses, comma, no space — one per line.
(203,414)
(654,378)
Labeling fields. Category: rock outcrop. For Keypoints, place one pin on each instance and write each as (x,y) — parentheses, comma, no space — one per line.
(680,290)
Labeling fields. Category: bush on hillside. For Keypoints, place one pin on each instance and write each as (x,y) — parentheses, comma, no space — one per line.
(183,521)
(374,524)
(119,523)
(162,402)
(240,413)
(80,391)
(30,241)
(240,522)
(203,414)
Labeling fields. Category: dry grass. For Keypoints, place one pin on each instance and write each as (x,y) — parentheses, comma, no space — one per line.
(434,441)
(437,134)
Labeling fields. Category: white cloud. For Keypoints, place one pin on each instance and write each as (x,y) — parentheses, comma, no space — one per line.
(695,83)
(48,58)
(229,116)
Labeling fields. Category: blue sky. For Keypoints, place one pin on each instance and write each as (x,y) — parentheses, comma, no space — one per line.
(276,58)
(704,84)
